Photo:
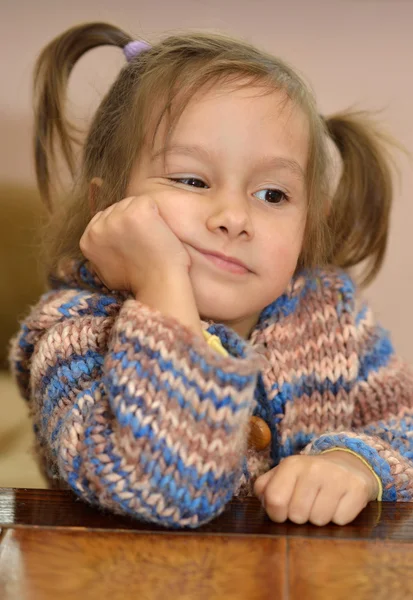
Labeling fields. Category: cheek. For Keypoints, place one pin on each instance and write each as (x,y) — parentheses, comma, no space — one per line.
(282,245)
(179,213)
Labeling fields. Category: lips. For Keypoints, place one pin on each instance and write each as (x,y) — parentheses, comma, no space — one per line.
(227,263)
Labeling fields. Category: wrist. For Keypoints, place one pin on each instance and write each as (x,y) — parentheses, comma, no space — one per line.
(353,460)
(171,293)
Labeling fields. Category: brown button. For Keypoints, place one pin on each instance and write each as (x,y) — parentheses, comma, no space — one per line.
(259,435)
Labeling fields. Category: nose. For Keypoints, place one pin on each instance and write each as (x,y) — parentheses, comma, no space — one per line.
(231,215)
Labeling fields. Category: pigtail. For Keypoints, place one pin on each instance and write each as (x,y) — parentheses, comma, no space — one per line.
(53,131)
(359,216)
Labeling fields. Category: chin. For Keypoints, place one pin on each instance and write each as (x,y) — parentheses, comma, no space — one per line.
(224,303)
(221,307)
(217,309)
(218,312)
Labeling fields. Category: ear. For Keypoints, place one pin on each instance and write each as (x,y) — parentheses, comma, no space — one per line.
(94,188)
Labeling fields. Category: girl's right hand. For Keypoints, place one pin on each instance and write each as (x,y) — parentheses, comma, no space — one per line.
(130,245)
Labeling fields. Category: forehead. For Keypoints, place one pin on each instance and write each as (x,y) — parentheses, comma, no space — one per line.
(227,117)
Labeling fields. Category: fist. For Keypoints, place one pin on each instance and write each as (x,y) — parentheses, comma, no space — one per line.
(129,245)
(334,486)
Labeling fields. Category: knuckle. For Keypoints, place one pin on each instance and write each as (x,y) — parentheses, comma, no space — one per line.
(316,468)
(275,504)
(291,462)
(140,202)
(274,501)
(92,235)
(84,243)
(137,210)
(336,479)
(360,486)
(124,202)
(258,487)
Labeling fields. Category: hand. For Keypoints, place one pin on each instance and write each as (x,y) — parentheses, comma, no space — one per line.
(130,245)
(334,486)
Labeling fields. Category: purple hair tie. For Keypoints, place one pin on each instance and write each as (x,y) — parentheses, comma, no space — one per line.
(132,49)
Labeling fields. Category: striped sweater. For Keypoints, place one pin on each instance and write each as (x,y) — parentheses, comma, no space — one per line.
(137,414)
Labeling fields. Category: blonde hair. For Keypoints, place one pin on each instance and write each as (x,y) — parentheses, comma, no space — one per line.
(353,229)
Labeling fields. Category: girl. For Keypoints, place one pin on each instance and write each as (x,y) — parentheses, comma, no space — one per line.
(201,339)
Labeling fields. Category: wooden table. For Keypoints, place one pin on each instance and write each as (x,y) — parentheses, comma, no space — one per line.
(54,546)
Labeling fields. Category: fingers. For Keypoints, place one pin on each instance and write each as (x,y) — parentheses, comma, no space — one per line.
(141,202)
(262,481)
(278,490)
(125,203)
(350,505)
(324,506)
(120,206)
(304,489)
(302,501)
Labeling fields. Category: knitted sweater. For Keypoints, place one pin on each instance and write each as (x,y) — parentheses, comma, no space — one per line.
(137,414)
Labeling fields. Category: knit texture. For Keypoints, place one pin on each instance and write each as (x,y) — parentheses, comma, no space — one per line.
(139,415)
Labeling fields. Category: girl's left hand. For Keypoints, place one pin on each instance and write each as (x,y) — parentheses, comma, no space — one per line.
(334,486)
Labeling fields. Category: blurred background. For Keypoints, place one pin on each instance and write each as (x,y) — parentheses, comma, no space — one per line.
(354,53)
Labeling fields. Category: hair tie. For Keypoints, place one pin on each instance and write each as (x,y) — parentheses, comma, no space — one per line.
(134,48)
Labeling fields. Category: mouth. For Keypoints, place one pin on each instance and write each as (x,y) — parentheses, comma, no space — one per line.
(226,263)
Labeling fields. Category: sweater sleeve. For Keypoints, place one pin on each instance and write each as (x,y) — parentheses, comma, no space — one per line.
(132,410)
(381,397)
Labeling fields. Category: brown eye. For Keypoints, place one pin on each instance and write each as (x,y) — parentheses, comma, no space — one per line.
(190,181)
(272,196)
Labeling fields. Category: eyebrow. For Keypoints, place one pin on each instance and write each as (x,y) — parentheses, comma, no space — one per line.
(265,162)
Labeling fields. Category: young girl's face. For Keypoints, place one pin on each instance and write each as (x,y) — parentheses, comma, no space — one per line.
(231,182)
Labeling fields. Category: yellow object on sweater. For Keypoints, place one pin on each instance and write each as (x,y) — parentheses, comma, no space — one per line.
(215,343)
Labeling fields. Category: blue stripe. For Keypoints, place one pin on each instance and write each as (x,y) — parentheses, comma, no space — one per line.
(23,343)
(395,432)
(176,493)
(280,308)
(97,304)
(221,377)
(116,389)
(286,305)
(295,444)
(305,385)
(378,356)
(71,369)
(55,389)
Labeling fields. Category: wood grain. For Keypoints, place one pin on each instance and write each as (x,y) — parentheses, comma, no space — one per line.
(53,545)
(343,569)
(49,564)
(61,509)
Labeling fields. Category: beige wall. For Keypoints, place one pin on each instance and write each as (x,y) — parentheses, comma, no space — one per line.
(352,51)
